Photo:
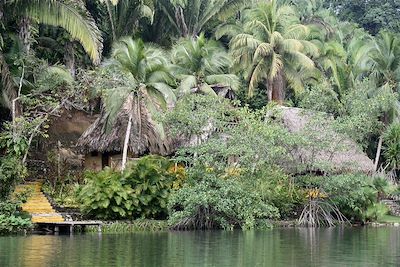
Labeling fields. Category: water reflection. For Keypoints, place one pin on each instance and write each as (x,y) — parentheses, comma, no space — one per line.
(278,247)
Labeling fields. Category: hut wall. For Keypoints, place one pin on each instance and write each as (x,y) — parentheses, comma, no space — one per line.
(116,162)
(93,162)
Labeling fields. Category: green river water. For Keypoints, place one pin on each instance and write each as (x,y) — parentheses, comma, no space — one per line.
(277,247)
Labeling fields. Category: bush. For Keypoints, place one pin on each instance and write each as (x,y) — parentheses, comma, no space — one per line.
(322,98)
(151,179)
(375,212)
(276,188)
(11,172)
(353,194)
(391,148)
(105,195)
(141,191)
(12,220)
(216,203)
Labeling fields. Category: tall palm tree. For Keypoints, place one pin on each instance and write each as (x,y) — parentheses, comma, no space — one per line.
(383,65)
(189,17)
(273,46)
(147,89)
(201,65)
(70,15)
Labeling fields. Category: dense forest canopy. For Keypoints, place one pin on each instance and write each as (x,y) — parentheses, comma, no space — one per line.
(152,64)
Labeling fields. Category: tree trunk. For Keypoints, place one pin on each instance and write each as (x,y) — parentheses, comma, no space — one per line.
(110,16)
(25,34)
(69,57)
(378,152)
(126,143)
(180,20)
(278,88)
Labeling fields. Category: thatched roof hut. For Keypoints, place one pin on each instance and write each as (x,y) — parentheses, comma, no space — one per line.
(146,135)
(339,151)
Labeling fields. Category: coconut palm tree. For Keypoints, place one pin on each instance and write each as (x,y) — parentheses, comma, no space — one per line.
(189,17)
(383,65)
(384,60)
(146,90)
(201,65)
(274,48)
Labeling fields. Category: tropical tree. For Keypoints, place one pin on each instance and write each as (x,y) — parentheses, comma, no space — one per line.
(147,88)
(201,65)
(383,66)
(384,60)
(189,17)
(274,48)
(342,53)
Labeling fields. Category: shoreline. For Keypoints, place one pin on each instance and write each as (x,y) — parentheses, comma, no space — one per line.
(146,226)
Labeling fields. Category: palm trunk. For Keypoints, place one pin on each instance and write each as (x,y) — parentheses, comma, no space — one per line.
(25,34)
(69,57)
(110,16)
(180,19)
(126,143)
(276,88)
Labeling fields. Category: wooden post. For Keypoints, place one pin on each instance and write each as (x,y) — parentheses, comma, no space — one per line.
(71,229)
(56,230)
(378,152)
(126,143)
(99,228)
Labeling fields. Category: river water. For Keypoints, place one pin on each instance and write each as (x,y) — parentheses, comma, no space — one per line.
(277,247)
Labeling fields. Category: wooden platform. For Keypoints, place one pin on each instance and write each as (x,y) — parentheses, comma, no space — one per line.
(69,226)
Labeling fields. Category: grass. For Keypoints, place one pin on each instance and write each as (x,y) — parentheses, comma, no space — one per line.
(131,226)
(389,219)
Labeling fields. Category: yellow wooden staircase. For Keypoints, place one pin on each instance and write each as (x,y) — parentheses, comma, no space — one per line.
(38,206)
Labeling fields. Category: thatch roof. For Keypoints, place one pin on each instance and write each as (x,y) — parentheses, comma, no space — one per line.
(339,151)
(146,135)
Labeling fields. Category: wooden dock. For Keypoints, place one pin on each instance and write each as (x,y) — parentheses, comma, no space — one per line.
(68,226)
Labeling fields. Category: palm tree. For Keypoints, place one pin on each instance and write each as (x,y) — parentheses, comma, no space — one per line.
(189,17)
(72,16)
(384,60)
(274,48)
(147,90)
(337,54)
(201,65)
(383,65)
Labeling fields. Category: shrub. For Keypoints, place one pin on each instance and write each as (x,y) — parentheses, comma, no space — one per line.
(276,188)
(353,194)
(151,179)
(375,212)
(12,220)
(11,172)
(216,203)
(141,191)
(391,149)
(322,98)
(105,196)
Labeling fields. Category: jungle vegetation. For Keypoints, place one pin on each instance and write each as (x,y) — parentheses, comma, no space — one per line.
(189,64)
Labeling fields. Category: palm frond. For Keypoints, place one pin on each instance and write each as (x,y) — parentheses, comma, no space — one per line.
(78,23)
(230,80)
(206,89)
(8,87)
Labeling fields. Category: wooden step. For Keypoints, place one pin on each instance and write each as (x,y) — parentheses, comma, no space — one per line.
(37,205)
